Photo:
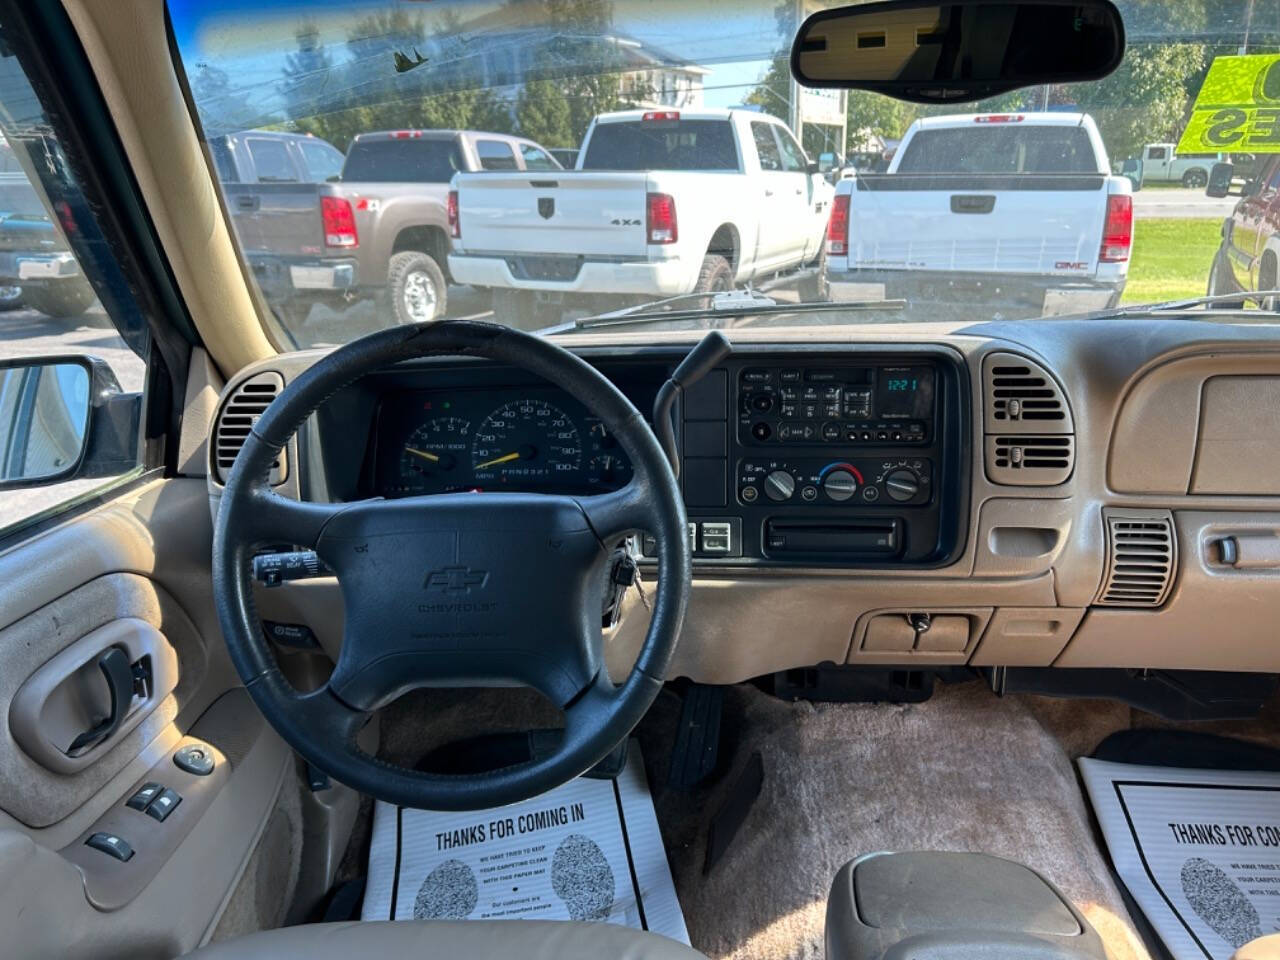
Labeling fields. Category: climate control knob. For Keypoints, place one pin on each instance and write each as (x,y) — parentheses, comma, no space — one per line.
(779,485)
(840,485)
(902,485)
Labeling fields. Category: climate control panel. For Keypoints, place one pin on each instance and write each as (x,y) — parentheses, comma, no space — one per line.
(861,481)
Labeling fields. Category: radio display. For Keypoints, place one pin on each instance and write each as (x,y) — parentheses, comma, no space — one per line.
(904,393)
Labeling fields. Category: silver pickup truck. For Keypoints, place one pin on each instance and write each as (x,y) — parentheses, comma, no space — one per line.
(374,225)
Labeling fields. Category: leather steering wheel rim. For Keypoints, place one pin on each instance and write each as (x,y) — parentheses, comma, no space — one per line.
(395,645)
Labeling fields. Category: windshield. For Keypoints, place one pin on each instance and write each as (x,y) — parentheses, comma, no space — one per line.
(704,182)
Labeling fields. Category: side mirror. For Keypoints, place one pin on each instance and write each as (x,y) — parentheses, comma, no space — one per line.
(1251,188)
(64,417)
(1220,175)
(812,167)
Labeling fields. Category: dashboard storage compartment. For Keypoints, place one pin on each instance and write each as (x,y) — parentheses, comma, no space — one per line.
(934,904)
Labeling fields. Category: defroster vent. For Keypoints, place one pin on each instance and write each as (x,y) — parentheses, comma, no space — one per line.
(241,411)
(1141,558)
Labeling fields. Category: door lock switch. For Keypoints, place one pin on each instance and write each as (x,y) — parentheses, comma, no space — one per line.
(163,805)
(111,845)
(146,793)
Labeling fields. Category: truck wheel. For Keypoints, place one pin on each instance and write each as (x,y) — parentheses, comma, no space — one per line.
(1221,283)
(523,310)
(11,298)
(716,276)
(1195,179)
(67,298)
(814,288)
(417,288)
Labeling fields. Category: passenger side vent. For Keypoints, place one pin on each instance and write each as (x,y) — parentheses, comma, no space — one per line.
(1030,461)
(1029,431)
(1141,558)
(240,412)
(1022,397)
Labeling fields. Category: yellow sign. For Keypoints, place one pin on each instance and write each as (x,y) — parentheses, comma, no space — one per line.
(1238,108)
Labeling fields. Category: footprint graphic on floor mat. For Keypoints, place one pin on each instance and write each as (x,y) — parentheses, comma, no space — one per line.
(582,878)
(450,892)
(1219,902)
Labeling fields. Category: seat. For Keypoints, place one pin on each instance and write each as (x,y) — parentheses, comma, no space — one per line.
(449,939)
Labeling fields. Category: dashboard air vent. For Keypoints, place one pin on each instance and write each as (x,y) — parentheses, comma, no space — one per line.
(1030,461)
(240,412)
(1022,397)
(1141,557)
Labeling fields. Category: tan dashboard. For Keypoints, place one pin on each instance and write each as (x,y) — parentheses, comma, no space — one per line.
(1120,504)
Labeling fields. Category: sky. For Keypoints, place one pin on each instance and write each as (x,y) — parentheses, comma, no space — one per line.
(249,40)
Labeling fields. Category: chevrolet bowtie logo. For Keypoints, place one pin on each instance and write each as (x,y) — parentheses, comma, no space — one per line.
(456,579)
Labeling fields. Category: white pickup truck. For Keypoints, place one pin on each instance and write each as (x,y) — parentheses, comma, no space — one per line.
(1012,211)
(661,203)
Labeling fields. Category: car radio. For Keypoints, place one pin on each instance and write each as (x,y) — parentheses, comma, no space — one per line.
(854,405)
(846,457)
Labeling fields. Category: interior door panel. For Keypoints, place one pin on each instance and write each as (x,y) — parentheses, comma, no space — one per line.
(130,576)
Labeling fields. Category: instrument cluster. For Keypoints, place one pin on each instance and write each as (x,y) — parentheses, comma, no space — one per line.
(530,440)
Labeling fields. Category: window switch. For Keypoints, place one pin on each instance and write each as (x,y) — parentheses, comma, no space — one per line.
(163,805)
(111,845)
(146,793)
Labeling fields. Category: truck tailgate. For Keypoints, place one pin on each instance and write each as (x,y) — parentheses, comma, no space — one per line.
(553,212)
(1019,224)
(277,218)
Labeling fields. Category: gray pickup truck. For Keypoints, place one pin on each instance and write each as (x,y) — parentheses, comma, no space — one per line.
(37,268)
(376,228)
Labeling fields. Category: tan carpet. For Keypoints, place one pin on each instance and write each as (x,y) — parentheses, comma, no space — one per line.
(964,771)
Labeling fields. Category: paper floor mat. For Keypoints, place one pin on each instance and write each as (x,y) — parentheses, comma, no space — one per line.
(589,850)
(1199,851)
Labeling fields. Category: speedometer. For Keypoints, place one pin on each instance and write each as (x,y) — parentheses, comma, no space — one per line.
(526,441)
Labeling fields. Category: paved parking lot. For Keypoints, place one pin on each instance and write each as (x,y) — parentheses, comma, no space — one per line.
(1176,203)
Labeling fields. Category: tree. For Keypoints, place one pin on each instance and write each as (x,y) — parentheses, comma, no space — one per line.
(222,108)
(1146,100)
(543,114)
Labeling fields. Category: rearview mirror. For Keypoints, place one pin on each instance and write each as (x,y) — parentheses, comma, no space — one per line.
(930,52)
(64,417)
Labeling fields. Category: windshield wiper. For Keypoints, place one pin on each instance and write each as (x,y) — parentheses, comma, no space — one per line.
(653,305)
(737,307)
(1187,303)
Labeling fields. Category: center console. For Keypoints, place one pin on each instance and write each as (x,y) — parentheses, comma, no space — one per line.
(843,459)
(927,905)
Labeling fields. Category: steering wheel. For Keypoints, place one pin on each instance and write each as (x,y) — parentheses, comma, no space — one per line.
(464,589)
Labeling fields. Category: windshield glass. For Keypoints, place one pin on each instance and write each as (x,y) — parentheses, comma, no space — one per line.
(705,181)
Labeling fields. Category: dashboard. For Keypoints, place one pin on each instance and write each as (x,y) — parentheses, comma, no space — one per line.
(944,496)
(787,459)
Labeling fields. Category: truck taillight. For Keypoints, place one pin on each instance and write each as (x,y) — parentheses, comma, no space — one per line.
(838,227)
(455,224)
(1117,229)
(660,218)
(339,222)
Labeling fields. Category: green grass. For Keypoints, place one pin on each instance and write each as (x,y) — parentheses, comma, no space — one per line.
(1171,259)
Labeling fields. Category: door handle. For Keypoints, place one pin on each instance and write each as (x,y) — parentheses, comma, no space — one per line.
(119,674)
(768,192)
(248,202)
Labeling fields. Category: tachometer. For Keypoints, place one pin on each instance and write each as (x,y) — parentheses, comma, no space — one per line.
(430,458)
(526,441)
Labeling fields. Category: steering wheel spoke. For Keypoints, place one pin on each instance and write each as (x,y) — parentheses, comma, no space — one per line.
(618,512)
(276,519)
